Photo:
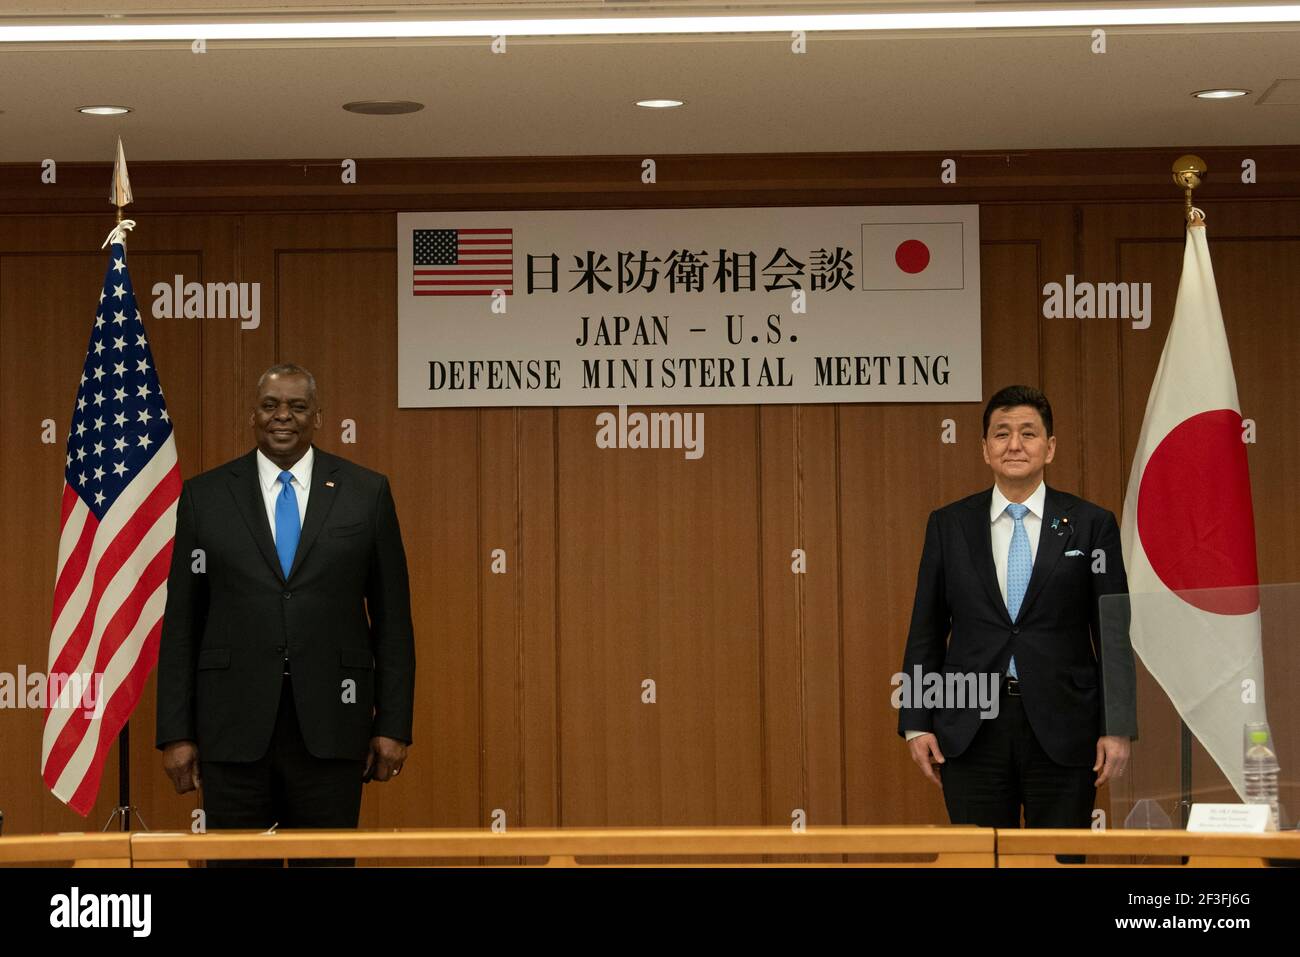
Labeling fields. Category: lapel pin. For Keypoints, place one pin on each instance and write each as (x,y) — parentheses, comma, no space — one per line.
(329,484)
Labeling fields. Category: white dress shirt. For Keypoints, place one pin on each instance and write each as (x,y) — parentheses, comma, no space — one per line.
(268,476)
(1001,528)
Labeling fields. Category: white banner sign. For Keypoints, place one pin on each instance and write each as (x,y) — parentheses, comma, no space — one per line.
(656,307)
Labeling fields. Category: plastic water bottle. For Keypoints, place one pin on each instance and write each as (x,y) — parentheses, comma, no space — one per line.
(1261,770)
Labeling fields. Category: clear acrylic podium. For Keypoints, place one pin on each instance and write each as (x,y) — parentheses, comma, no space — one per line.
(1227,656)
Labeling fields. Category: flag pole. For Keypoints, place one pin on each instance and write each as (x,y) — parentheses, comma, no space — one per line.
(119,195)
(1188,172)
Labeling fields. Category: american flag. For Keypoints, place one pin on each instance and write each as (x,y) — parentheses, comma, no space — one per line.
(121,482)
(462,262)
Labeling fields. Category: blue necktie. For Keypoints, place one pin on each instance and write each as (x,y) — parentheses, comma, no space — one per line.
(287,524)
(1020,563)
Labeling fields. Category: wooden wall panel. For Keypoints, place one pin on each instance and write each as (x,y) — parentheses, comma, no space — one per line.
(50,281)
(537,566)
(632,531)
(1255,249)
(772,688)
(895,469)
(779,511)
(328,318)
(500,615)
(817,433)
(47,299)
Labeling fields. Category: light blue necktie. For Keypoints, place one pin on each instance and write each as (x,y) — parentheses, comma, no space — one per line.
(287,524)
(1020,563)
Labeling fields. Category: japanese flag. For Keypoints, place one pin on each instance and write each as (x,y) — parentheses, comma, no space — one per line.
(897,256)
(1188,529)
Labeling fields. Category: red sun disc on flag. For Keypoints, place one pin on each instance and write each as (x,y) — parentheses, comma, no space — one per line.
(912,256)
(1195,518)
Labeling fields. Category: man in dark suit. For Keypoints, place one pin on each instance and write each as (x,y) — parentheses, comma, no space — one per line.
(1009,591)
(286,667)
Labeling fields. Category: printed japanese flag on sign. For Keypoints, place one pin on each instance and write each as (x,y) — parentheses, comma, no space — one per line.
(912,256)
(1189,529)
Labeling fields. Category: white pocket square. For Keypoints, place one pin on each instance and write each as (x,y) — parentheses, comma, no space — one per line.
(1074,553)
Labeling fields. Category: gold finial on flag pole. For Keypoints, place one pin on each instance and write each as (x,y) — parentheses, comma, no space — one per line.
(1188,171)
(119,194)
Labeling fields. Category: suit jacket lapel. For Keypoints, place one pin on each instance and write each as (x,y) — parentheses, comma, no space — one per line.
(319,503)
(979,537)
(1051,546)
(247,492)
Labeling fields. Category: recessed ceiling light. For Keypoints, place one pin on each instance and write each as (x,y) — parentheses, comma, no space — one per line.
(104,110)
(658,104)
(383,107)
(1219,94)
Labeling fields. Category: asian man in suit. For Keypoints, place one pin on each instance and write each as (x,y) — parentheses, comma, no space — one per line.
(286,666)
(1010,590)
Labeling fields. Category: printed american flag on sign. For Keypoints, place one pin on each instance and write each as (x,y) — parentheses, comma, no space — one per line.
(121,482)
(462,262)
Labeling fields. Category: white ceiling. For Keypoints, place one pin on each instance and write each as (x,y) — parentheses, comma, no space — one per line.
(743,94)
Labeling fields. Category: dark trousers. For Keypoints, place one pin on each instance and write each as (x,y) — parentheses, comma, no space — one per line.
(1005,768)
(288,787)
